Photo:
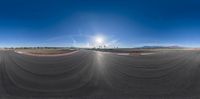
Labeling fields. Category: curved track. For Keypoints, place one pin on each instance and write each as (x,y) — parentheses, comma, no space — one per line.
(97,74)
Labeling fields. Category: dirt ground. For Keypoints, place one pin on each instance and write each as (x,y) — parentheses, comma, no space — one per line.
(44,51)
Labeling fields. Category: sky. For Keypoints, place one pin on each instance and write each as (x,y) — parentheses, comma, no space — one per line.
(78,23)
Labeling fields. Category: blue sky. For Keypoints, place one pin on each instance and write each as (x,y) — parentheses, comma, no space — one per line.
(123,23)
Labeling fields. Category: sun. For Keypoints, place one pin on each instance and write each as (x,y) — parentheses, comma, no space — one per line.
(99,40)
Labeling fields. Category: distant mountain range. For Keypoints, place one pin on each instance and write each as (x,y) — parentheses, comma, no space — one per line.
(161,47)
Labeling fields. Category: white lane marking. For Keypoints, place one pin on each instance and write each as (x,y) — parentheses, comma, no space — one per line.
(123,54)
(147,53)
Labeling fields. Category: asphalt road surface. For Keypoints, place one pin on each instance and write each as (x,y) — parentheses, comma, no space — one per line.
(92,74)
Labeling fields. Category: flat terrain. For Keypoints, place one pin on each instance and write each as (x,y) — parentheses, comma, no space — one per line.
(93,74)
(126,50)
(45,51)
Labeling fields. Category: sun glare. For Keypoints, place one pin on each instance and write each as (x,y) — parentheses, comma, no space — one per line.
(99,40)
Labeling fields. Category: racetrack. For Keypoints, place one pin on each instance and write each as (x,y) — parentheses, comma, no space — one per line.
(168,74)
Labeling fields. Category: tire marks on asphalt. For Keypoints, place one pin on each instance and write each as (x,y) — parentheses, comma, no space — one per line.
(95,73)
